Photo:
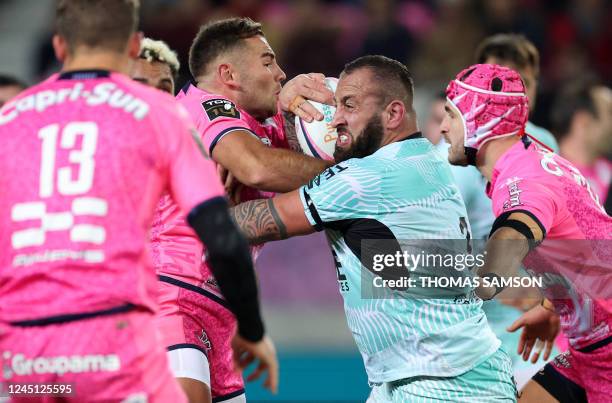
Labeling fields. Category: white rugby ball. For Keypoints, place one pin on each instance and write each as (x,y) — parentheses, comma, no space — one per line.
(318,138)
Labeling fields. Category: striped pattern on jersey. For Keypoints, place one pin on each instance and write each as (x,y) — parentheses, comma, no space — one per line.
(404,191)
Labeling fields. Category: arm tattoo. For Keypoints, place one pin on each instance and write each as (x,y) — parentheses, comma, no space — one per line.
(259,221)
(289,126)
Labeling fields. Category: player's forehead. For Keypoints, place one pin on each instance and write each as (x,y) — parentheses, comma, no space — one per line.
(153,70)
(527,72)
(358,84)
(603,99)
(259,45)
(437,107)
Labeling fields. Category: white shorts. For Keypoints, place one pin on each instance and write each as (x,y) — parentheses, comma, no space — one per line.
(189,363)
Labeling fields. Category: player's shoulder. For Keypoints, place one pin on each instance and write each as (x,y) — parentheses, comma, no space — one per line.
(163,106)
(526,160)
(155,97)
(345,172)
(413,148)
(28,92)
(36,98)
(213,105)
(408,158)
(525,171)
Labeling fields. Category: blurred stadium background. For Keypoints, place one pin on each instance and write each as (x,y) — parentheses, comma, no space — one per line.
(435,39)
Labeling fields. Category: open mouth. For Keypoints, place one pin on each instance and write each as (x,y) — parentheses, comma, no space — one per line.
(344,139)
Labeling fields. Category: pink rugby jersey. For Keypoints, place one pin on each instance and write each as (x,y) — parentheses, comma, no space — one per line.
(86,156)
(574,261)
(176,251)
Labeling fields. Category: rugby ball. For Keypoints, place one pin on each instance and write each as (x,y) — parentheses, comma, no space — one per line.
(318,138)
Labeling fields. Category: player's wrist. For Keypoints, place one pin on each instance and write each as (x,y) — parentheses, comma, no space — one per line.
(251,328)
(546,304)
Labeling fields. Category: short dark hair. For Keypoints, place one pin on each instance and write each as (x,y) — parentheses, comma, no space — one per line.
(394,77)
(218,37)
(514,48)
(104,24)
(10,81)
(574,97)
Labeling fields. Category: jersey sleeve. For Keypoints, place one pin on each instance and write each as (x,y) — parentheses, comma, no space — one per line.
(341,192)
(191,173)
(219,118)
(526,195)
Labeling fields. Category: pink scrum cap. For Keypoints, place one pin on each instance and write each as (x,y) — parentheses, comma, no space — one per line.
(491,101)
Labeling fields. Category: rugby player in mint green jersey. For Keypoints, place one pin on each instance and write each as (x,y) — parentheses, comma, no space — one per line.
(390,184)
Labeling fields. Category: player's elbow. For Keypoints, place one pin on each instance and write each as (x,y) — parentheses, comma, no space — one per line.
(256,176)
(485,293)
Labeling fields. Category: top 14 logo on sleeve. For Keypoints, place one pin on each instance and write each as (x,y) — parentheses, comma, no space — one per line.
(218,107)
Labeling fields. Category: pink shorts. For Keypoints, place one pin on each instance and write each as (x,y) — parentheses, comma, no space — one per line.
(114,358)
(193,318)
(580,375)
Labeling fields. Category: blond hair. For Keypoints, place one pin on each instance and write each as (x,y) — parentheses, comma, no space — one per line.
(158,51)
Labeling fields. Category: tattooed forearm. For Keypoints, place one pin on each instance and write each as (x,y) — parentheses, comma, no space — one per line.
(289,124)
(259,221)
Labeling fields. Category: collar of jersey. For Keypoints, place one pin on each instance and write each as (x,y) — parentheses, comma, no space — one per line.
(524,144)
(84,74)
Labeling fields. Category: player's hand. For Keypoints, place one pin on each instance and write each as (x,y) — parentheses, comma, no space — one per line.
(231,184)
(245,352)
(540,328)
(295,95)
(523,298)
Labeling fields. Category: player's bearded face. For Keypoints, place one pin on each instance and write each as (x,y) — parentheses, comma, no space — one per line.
(361,144)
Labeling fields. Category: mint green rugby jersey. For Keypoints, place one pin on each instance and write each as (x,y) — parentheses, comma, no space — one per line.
(403,191)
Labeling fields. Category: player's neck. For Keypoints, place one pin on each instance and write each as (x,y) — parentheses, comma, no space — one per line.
(211,86)
(491,152)
(405,130)
(97,61)
(576,151)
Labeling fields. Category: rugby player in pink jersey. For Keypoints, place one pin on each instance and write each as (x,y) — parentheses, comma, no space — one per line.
(157,65)
(582,119)
(543,204)
(86,156)
(237,103)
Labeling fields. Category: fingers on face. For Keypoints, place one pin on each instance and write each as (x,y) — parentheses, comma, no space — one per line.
(310,111)
(302,108)
(317,91)
(296,103)
(316,77)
